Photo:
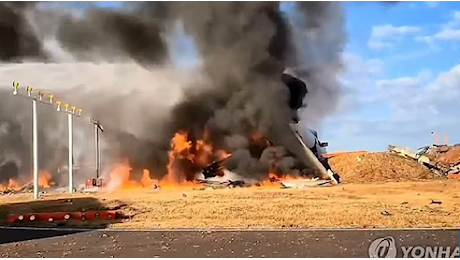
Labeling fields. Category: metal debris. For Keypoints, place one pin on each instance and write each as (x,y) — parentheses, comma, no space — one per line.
(386,213)
(424,157)
(214,169)
(26,188)
(207,184)
(304,183)
(436,202)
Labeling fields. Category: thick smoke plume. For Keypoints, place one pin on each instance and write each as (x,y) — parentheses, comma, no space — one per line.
(116,65)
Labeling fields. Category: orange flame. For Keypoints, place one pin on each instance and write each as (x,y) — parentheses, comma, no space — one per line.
(12,184)
(119,177)
(201,153)
(284,177)
(270,183)
(275,179)
(180,149)
(204,151)
(44,178)
(256,136)
(221,154)
(44,181)
(146,181)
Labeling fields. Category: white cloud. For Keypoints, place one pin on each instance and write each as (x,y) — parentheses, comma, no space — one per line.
(358,80)
(403,111)
(356,65)
(383,36)
(404,82)
(448,34)
(456,15)
(432,4)
(422,95)
(429,41)
(447,81)
(404,93)
(397,91)
(378,44)
(377,110)
(454,22)
(388,30)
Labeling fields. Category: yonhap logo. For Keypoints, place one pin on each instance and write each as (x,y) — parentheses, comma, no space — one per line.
(386,248)
(383,248)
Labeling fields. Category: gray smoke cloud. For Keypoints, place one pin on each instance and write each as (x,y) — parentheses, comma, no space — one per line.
(116,65)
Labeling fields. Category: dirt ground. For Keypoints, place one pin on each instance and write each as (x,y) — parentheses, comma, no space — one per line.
(403,204)
(378,167)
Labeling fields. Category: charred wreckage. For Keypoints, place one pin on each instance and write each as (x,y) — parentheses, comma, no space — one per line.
(313,148)
(226,108)
(311,152)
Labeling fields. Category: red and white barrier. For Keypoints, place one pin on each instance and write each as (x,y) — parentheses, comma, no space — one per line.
(63,216)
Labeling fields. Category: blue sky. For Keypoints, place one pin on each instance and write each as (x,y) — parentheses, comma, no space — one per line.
(402,80)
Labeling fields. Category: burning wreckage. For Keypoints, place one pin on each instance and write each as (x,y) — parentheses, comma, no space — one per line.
(311,152)
(202,166)
(231,104)
(214,171)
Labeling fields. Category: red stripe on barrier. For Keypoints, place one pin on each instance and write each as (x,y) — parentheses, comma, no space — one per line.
(59,216)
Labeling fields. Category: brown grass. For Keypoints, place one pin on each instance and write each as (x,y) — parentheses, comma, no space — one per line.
(347,205)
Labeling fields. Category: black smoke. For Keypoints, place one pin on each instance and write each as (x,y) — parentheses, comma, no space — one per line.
(17,39)
(244,48)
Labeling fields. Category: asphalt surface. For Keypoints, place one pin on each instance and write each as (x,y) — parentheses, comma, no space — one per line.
(8,235)
(223,243)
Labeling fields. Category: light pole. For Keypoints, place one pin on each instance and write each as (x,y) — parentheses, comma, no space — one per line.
(35,146)
(97,127)
(34,128)
(70,111)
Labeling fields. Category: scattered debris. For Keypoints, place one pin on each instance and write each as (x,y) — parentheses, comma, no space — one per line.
(386,213)
(436,202)
(214,169)
(26,188)
(442,160)
(208,184)
(95,182)
(303,183)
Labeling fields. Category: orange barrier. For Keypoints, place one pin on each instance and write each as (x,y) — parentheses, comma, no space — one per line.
(454,176)
(60,216)
(330,155)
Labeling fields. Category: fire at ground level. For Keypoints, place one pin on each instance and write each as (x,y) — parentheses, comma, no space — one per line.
(194,163)
(260,157)
(378,190)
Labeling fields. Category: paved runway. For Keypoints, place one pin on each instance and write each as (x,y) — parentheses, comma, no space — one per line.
(8,235)
(229,243)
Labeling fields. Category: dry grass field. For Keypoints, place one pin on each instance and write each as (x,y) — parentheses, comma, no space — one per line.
(393,204)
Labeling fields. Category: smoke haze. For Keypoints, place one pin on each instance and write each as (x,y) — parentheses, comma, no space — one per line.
(116,64)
